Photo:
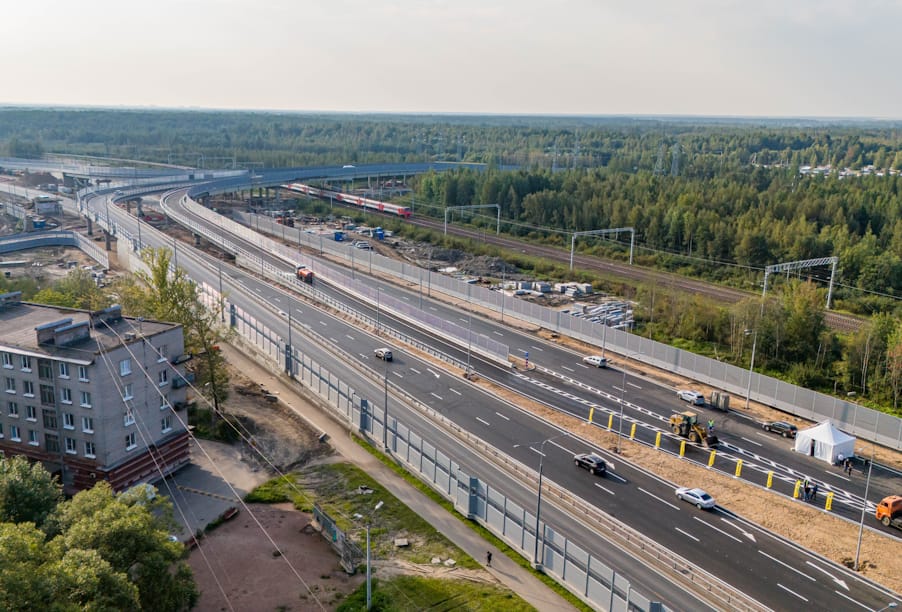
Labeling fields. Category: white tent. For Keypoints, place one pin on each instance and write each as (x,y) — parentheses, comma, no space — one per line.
(825,442)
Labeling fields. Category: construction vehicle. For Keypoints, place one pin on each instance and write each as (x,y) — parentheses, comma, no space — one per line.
(889,511)
(305,274)
(685,424)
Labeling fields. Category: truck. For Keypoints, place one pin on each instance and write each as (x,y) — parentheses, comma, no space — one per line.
(889,511)
(305,274)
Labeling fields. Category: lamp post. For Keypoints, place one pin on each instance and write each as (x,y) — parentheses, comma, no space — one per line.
(622,393)
(748,391)
(536,563)
(864,503)
(378,307)
(888,606)
(369,590)
(385,409)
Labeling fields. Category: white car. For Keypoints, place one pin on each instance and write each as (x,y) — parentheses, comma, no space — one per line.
(693,397)
(383,353)
(596,360)
(697,497)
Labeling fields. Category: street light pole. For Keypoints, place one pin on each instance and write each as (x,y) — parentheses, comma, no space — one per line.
(378,307)
(537,564)
(385,410)
(748,391)
(369,591)
(864,505)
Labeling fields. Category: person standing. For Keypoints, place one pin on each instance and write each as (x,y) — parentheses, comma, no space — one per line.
(488,559)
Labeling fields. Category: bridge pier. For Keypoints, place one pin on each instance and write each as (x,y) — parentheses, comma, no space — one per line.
(107,238)
(90,226)
(196,240)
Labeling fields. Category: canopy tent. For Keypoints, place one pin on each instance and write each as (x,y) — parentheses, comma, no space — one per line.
(825,442)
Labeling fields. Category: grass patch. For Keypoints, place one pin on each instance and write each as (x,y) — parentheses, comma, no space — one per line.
(414,593)
(280,490)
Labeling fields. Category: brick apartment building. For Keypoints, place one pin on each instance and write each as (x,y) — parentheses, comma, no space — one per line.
(91,395)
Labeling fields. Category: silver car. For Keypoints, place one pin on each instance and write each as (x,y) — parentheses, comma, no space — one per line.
(697,497)
(693,397)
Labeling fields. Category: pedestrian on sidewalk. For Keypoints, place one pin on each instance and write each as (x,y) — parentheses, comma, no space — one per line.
(488,559)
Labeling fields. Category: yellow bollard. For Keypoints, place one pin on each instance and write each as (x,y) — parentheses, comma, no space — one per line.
(591,414)
(738,468)
(633,432)
(829,504)
(770,479)
(682,448)
(795,492)
(611,422)
(711,458)
(658,440)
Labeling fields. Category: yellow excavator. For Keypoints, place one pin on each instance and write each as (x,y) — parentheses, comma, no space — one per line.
(685,424)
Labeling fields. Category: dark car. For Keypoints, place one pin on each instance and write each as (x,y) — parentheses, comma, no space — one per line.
(787,430)
(591,462)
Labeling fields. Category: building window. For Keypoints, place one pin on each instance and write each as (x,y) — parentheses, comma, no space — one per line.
(65,395)
(163,377)
(50,420)
(125,367)
(52,443)
(7,361)
(87,424)
(1,430)
(128,392)
(83,373)
(45,369)
(71,447)
(48,397)
(85,399)
(14,433)
(166,423)
(27,388)
(164,351)
(33,437)
(10,385)
(68,420)
(130,441)
(30,413)
(90,450)
(26,363)
(164,402)
(64,369)
(13,409)
(129,418)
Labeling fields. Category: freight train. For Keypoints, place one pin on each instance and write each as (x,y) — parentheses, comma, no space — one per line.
(351,200)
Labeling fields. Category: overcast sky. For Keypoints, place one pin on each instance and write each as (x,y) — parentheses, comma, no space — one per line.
(684,57)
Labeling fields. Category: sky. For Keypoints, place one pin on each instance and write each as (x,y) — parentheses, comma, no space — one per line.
(812,58)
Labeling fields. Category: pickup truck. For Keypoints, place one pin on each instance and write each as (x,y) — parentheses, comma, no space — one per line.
(889,511)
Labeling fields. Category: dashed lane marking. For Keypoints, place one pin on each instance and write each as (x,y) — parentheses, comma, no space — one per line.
(207,493)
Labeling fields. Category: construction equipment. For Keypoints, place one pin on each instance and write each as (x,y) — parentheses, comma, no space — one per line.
(685,424)
(889,511)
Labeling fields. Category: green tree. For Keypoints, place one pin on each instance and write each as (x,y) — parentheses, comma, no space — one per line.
(22,584)
(83,580)
(28,493)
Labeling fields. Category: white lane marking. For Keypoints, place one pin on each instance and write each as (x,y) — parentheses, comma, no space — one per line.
(633,385)
(302,312)
(483,421)
(568,369)
(257,290)
(362,356)
(537,451)
(324,324)
(853,601)
(616,388)
(415,371)
(398,374)
(454,391)
(433,308)
(603,489)
(791,592)
(615,476)
(349,336)
(764,435)
(688,535)
(275,299)
(706,524)
(786,565)
(502,416)
(563,448)
(438,397)
(497,333)
(841,583)
(659,499)
(333,340)
(747,534)
(751,441)
(838,476)
(538,348)
(582,365)
(436,374)
(461,319)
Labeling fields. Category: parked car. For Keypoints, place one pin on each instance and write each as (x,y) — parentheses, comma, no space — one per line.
(591,462)
(697,497)
(787,430)
(383,353)
(693,397)
(596,360)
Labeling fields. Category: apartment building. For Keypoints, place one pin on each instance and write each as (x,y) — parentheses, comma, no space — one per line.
(92,395)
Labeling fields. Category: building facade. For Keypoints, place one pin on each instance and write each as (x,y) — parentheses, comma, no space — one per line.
(92,395)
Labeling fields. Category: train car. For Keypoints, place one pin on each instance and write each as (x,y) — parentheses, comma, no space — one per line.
(352,200)
(305,274)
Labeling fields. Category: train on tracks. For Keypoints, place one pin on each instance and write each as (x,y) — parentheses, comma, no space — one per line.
(351,200)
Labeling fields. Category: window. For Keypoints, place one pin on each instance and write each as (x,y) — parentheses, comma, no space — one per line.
(86,399)
(10,385)
(127,392)
(68,420)
(90,450)
(14,433)
(125,367)
(27,388)
(7,361)
(65,395)
(26,363)
(45,369)
(163,377)
(164,352)
(52,443)
(50,420)
(33,437)
(70,446)
(13,409)
(164,402)
(30,413)
(130,441)
(1,430)
(166,423)
(87,424)
(48,397)
(83,373)
(64,369)
(129,418)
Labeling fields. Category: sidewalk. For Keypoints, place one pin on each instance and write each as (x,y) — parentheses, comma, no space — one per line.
(506,571)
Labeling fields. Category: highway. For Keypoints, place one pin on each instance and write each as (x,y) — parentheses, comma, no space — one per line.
(769,569)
